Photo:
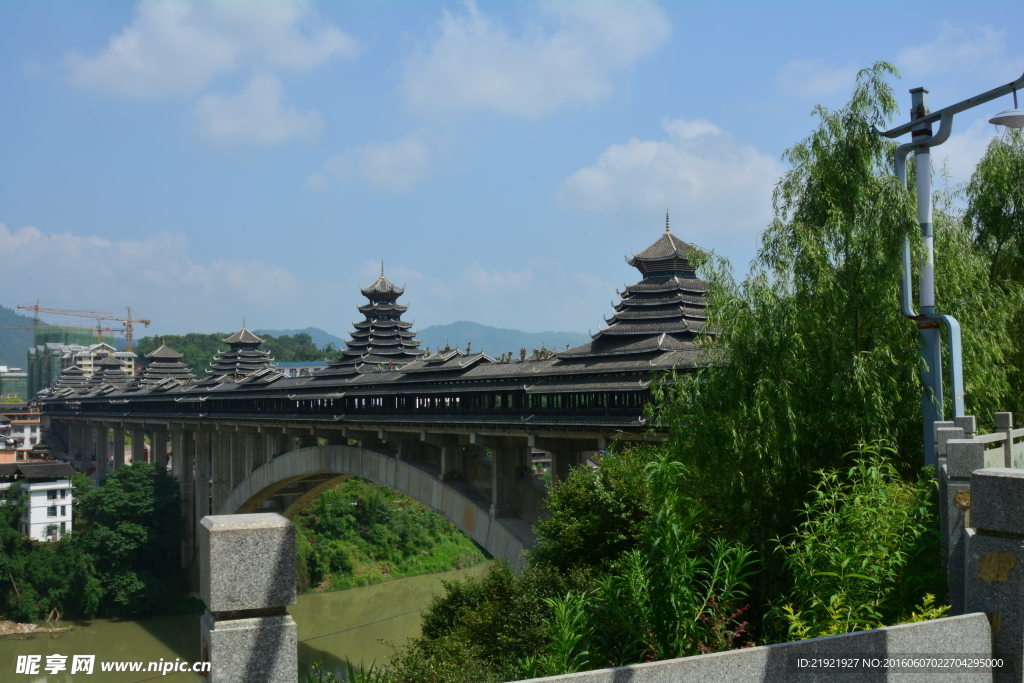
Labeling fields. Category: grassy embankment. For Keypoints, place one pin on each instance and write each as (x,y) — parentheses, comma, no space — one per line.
(360,533)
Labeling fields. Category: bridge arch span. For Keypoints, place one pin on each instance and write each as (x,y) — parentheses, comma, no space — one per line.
(321,467)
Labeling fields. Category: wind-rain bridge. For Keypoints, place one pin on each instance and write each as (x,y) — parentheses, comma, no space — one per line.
(454,429)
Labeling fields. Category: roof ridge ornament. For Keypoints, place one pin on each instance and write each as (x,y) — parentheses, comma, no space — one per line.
(666,223)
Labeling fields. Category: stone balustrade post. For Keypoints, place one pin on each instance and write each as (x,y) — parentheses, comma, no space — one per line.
(247,580)
(994,566)
(963,456)
(944,431)
(1004,424)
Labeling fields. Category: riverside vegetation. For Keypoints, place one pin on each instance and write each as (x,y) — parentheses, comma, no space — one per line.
(361,532)
(788,500)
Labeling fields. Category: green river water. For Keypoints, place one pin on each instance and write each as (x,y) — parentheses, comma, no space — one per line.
(331,627)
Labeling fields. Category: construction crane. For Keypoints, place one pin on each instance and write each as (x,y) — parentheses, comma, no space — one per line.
(98,316)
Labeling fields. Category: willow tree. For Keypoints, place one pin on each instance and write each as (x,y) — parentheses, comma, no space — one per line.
(811,354)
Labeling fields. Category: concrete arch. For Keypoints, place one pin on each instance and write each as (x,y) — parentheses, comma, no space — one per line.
(324,466)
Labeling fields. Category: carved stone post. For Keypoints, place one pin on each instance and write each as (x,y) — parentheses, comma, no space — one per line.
(995,563)
(247,580)
(944,431)
(963,456)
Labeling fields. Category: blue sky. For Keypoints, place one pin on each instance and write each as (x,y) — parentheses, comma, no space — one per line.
(205,162)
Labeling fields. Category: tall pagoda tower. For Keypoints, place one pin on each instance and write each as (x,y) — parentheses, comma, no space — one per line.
(666,310)
(243,359)
(383,338)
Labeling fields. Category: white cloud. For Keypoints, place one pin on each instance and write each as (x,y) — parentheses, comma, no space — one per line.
(814,78)
(175,48)
(395,166)
(155,275)
(255,115)
(476,63)
(978,52)
(718,189)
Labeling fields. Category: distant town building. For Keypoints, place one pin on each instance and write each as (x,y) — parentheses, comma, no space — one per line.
(13,383)
(20,430)
(299,368)
(49,497)
(88,357)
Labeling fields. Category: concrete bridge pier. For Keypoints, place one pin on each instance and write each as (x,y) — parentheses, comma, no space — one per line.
(138,453)
(158,447)
(97,446)
(202,493)
(449,451)
(118,441)
(75,440)
(509,452)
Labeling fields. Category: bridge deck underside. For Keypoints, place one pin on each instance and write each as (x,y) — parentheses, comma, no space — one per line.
(289,481)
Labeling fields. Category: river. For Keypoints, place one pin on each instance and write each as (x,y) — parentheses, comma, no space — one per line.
(331,627)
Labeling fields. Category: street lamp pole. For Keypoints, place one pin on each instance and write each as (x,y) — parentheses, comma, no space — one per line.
(928,321)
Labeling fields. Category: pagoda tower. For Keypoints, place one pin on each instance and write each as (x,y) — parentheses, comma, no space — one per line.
(666,310)
(108,369)
(383,338)
(243,359)
(72,377)
(165,363)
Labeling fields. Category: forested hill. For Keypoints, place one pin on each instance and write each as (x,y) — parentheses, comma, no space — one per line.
(199,349)
(494,340)
(14,343)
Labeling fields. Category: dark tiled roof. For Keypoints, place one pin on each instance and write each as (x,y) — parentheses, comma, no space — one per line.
(243,338)
(666,246)
(164,354)
(38,470)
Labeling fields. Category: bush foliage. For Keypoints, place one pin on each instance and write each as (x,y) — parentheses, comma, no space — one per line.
(360,532)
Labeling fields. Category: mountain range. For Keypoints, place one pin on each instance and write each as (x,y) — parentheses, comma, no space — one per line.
(492,340)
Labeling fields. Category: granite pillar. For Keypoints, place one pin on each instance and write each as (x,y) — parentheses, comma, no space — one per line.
(963,456)
(944,431)
(994,564)
(247,580)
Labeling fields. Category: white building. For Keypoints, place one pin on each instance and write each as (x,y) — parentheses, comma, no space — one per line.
(49,496)
(299,368)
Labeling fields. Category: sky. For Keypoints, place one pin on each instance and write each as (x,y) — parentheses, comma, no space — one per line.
(209,162)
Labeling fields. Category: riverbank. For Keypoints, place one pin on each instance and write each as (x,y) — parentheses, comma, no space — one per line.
(332,627)
(361,533)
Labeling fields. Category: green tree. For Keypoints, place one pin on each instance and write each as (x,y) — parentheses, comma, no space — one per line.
(132,528)
(995,212)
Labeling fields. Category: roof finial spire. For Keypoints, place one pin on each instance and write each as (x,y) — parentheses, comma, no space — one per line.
(382,267)
(666,221)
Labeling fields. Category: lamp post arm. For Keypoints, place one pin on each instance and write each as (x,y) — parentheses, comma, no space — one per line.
(953,109)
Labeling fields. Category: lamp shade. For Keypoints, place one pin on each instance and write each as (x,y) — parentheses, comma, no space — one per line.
(1011,118)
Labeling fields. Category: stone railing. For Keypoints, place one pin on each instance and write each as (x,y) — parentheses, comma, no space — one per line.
(248,636)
